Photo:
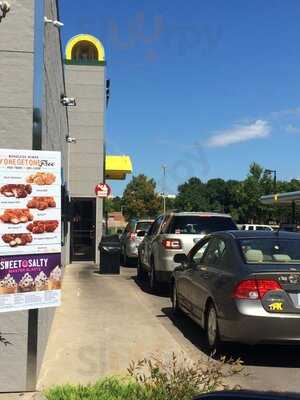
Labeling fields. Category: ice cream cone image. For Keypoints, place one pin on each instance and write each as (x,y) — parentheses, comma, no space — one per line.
(26,284)
(41,282)
(55,278)
(8,285)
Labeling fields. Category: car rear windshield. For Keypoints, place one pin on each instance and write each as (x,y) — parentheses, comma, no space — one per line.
(200,225)
(143,226)
(271,250)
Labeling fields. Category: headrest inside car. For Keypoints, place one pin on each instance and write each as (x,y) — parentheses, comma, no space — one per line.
(255,256)
(281,257)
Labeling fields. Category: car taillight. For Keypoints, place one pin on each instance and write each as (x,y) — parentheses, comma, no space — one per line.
(174,244)
(253,289)
(132,236)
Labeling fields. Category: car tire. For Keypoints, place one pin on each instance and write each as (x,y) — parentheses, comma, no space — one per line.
(140,273)
(126,259)
(152,278)
(175,307)
(212,329)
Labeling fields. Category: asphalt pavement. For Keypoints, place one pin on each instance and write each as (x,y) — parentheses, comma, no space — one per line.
(105,322)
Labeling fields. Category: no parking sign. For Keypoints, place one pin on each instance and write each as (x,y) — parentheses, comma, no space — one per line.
(102,190)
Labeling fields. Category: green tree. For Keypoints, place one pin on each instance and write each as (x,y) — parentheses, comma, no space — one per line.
(216,194)
(192,196)
(140,199)
(113,204)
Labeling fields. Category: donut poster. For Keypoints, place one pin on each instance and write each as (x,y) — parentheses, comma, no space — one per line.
(30,229)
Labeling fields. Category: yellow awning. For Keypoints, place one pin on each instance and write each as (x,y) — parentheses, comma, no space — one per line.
(116,167)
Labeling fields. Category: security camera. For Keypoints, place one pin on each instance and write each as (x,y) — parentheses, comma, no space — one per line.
(4,6)
(56,23)
(70,139)
(4,9)
(68,101)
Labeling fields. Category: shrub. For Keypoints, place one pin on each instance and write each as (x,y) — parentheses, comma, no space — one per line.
(153,379)
(182,379)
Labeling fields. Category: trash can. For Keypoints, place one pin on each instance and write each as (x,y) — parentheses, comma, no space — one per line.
(110,255)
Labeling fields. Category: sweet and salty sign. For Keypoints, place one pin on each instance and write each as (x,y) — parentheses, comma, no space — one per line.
(30,229)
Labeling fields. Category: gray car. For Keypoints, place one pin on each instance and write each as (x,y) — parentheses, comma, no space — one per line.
(242,286)
(130,239)
(175,233)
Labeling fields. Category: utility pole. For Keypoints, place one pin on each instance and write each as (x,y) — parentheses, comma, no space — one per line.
(274,173)
(164,168)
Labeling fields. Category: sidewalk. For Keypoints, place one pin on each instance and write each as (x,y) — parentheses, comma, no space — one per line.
(102,325)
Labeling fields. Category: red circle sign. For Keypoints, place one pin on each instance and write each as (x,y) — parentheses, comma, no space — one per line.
(102,190)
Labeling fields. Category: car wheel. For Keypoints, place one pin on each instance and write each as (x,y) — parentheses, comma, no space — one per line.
(212,329)
(175,307)
(124,258)
(141,274)
(152,278)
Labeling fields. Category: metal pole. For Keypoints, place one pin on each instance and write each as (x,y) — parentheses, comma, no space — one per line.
(275,181)
(293,212)
(164,167)
(32,343)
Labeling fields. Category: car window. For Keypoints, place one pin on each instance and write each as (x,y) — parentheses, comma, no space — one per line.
(271,250)
(143,226)
(198,224)
(215,252)
(155,226)
(262,228)
(198,255)
(250,228)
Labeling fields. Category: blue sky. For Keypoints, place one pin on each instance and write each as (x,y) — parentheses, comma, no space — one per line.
(204,87)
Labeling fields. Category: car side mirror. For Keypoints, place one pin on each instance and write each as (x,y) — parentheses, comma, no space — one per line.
(180,258)
(141,233)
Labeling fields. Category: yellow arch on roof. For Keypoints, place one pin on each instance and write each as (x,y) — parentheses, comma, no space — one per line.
(88,38)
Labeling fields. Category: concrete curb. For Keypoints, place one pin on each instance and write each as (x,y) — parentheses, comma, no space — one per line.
(22,396)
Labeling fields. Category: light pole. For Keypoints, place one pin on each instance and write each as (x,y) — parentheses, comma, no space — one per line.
(164,168)
(274,173)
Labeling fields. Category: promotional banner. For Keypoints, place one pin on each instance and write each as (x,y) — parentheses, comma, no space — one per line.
(30,229)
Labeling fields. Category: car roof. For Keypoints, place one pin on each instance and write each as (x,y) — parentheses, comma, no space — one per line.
(260,234)
(201,214)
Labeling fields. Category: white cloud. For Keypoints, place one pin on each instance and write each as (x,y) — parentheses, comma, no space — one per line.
(240,133)
(292,129)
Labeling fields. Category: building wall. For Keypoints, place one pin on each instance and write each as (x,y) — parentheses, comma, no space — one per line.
(86,123)
(16,75)
(54,132)
(16,107)
(19,95)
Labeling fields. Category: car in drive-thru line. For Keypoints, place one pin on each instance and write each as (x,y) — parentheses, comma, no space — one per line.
(241,286)
(255,227)
(131,239)
(172,233)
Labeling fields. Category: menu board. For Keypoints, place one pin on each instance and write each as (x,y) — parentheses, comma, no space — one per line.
(30,229)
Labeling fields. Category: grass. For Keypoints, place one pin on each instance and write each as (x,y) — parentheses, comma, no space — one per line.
(153,379)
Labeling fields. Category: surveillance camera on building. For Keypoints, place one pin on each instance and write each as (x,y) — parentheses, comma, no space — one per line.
(70,139)
(4,6)
(4,9)
(56,23)
(68,101)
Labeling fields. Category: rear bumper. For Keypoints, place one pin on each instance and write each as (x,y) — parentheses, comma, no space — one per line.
(132,249)
(254,325)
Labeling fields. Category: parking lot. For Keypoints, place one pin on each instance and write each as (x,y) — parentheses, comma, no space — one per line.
(107,321)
